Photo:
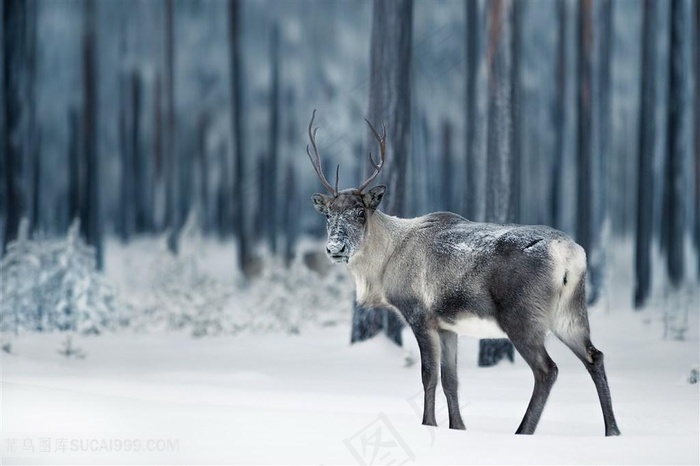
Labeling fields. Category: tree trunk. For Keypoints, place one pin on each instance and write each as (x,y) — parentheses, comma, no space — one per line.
(91,222)
(169,148)
(673,224)
(390,104)
(696,43)
(446,176)
(289,223)
(591,108)
(139,195)
(515,100)
(472,63)
(126,220)
(15,93)
(272,207)
(647,137)
(237,132)
(203,194)
(75,176)
(500,196)
(559,118)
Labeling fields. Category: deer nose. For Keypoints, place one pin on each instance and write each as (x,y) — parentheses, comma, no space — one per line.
(335,249)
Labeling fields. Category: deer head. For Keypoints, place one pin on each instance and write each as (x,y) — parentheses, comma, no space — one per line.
(347,211)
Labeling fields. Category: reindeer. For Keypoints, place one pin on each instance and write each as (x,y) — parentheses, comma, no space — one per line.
(447,276)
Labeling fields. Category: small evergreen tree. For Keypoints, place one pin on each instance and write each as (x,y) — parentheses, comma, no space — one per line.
(19,270)
(54,285)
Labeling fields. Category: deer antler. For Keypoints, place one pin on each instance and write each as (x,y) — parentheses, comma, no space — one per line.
(382,154)
(316,161)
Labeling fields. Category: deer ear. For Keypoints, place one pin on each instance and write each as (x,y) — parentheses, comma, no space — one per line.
(374,196)
(321,202)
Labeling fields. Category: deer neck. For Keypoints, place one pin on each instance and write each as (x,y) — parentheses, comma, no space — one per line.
(367,265)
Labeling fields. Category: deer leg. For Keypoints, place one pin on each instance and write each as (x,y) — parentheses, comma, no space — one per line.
(430,360)
(448,376)
(592,358)
(545,372)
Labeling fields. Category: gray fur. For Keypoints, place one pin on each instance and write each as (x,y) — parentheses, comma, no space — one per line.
(444,274)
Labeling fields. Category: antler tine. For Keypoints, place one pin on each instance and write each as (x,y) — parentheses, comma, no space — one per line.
(316,162)
(382,154)
(337,171)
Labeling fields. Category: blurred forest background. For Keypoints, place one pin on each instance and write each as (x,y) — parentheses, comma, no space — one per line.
(134,116)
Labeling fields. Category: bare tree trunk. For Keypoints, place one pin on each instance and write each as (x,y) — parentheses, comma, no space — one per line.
(472,64)
(590,204)
(126,220)
(37,184)
(446,176)
(272,206)
(515,100)
(559,117)
(289,223)
(647,136)
(159,184)
(390,104)
(696,43)
(15,69)
(500,195)
(91,223)
(75,176)
(169,147)
(204,207)
(673,224)
(239,202)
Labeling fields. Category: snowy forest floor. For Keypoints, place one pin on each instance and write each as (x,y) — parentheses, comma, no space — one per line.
(280,383)
(313,399)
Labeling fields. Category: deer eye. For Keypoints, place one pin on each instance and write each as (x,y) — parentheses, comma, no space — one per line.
(361,213)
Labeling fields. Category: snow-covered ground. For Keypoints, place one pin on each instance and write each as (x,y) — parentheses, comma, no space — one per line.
(314,399)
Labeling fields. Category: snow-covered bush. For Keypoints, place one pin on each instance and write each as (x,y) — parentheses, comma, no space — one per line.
(55,285)
(286,299)
(19,279)
(198,290)
(183,296)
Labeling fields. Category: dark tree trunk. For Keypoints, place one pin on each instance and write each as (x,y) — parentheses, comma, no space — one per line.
(139,195)
(171,161)
(32,136)
(472,65)
(223,202)
(125,186)
(159,185)
(500,195)
(239,202)
(585,115)
(390,104)
(696,54)
(203,202)
(91,223)
(289,223)
(515,100)
(559,118)
(673,224)
(647,136)
(446,176)
(75,175)
(15,83)
(271,207)
(589,200)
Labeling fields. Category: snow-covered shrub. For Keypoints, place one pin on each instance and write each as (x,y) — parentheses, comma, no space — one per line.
(55,285)
(286,299)
(19,278)
(183,295)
